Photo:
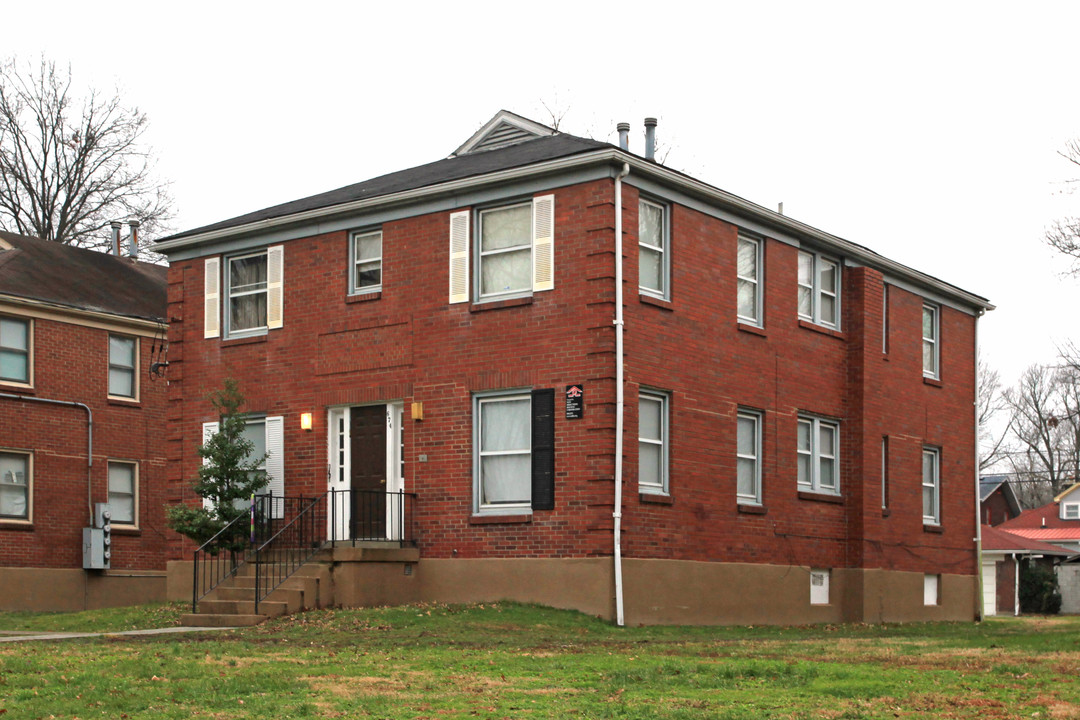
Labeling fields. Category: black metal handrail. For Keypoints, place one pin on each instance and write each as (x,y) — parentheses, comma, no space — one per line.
(214,569)
(374,516)
(289,548)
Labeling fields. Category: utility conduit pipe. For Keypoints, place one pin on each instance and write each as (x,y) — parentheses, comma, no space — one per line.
(620,401)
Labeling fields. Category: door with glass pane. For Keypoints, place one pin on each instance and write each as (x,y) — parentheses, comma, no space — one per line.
(365,472)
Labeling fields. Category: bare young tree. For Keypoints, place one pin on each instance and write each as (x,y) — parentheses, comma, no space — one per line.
(1064,234)
(1044,427)
(70,165)
(991,404)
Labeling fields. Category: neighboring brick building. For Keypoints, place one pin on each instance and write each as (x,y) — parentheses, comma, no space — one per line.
(997,500)
(799,437)
(79,331)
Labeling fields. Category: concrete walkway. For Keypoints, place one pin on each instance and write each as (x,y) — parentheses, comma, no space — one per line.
(6,638)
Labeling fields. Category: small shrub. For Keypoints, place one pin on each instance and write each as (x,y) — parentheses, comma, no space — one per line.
(1039,589)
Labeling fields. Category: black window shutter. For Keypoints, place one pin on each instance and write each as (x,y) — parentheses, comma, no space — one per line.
(543,449)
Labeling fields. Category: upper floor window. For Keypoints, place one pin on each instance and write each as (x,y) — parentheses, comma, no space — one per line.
(819,289)
(122,363)
(931,486)
(653,255)
(365,258)
(246,293)
(749,279)
(123,492)
(506,250)
(253,293)
(15,485)
(653,442)
(748,462)
(1070,511)
(930,354)
(819,454)
(14,350)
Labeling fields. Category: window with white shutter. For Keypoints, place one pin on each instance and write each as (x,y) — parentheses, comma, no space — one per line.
(459,257)
(212,297)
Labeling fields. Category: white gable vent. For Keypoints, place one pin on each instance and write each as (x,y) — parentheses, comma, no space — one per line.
(505,129)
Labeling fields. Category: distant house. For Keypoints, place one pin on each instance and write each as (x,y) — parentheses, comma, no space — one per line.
(81,423)
(1002,553)
(1057,522)
(997,499)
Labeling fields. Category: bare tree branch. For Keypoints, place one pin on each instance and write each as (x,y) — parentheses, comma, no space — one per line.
(71,166)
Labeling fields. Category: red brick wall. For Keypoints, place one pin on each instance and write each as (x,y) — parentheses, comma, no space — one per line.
(690,347)
(71,364)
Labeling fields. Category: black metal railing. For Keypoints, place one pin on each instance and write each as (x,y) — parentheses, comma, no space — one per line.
(372,516)
(294,543)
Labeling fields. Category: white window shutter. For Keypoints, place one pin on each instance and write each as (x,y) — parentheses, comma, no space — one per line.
(275,462)
(212,298)
(543,243)
(275,272)
(459,257)
(208,429)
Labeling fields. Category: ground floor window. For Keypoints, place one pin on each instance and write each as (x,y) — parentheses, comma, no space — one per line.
(123,492)
(503,441)
(15,470)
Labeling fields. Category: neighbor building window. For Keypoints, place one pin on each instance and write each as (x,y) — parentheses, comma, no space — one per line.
(122,362)
(506,250)
(1070,511)
(819,289)
(652,442)
(123,492)
(931,486)
(246,293)
(930,349)
(504,452)
(14,350)
(818,455)
(15,485)
(748,457)
(365,250)
(749,280)
(653,255)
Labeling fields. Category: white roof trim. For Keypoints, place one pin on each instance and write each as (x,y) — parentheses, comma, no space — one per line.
(503,116)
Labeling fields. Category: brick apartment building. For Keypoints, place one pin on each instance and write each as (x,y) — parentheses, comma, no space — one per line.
(794,440)
(81,421)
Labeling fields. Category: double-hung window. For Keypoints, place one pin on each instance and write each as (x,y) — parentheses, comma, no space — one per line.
(506,251)
(15,468)
(819,455)
(266,435)
(123,492)
(931,486)
(819,289)
(930,346)
(748,460)
(653,443)
(654,257)
(749,279)
(1070,511)
(123,378)
(246,292)
(514,451)
(365,259)
(251,293)
(15,350)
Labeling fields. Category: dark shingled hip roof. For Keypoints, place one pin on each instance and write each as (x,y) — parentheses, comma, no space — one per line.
(59,274)
(454,168)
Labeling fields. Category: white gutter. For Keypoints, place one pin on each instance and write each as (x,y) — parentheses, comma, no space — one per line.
(605,155)
(620,399)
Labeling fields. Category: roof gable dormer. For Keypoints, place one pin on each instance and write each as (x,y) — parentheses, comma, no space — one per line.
(506,128)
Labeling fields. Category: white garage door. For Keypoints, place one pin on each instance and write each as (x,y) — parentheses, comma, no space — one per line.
(989,583)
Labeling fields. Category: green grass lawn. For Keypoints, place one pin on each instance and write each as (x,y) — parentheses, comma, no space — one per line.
(515,661)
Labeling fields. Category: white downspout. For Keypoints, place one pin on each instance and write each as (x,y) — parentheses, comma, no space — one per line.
(620,401)
(1016,586)
(980,590)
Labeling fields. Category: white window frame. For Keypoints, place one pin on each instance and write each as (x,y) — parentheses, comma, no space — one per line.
(755,280)
(134,522)
(884,472)
(27,352)
(755,417)
(933,483)
(932,341)
(231,295)
(29,482)
(818,263)
(133,368)
(885,318)
(816,454)
(664,292)
(1070,511)
(480,401)
(481,254)
(664,443)
(819,587)
(354,262)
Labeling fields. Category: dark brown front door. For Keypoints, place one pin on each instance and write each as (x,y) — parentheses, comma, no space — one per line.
(368,479)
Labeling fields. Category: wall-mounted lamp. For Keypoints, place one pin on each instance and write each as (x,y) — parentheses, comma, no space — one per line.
(305,421)
(417,411)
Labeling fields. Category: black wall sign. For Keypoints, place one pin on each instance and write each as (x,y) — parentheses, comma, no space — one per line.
(575,402)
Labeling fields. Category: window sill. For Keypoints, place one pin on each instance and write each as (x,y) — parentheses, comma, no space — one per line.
(821,497)
(936,529)
(748,328)
(751,509)
(16,387)
(932,382)
(822,329)
(363,297)
(251,339)
(655,301)
(124,402)
(655,498)
(500,519)
(498,304)
(25,525)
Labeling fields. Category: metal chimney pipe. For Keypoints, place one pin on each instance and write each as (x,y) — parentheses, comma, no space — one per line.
(650,139)
(624,135)
(133,238)
(115,225)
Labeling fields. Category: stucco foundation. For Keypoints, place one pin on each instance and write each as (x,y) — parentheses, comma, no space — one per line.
(65,590)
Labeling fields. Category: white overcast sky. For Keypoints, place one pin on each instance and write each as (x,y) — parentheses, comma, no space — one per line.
(927,131)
